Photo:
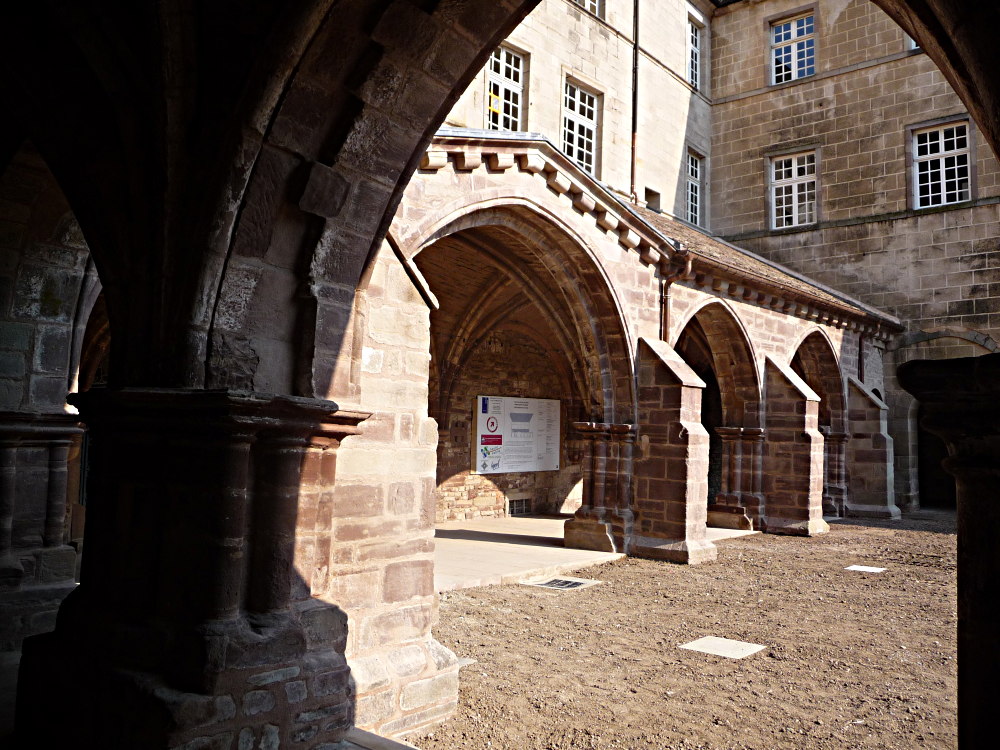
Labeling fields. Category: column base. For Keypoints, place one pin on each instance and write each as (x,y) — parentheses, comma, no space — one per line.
(309,698)
(589,533)
(677,551)
(791,527)
(729,517)
(873,511)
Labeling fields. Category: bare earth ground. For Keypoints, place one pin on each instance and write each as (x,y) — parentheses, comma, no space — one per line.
(852,660)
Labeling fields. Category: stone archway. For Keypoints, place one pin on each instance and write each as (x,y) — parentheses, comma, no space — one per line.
(816,363)
(522,310)
(716,347)
(232,182)
(98,65)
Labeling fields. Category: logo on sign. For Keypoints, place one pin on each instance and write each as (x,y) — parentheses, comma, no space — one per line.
(491,424)
(486,403)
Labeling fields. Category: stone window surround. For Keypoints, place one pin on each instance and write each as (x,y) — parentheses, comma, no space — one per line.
(571,80)
(695,47)
(911,194)
(769,157)
(520,89)
(790,15)
(695,183)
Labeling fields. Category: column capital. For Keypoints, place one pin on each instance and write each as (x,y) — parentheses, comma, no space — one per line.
(196,410)
(591,429)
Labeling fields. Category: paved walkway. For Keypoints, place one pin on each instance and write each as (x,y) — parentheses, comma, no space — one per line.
(488,551)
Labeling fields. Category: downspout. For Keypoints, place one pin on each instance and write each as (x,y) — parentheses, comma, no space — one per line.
(861,357)
(635,97)
(678,268)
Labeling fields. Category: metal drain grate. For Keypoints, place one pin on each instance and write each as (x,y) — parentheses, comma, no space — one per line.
(562,584)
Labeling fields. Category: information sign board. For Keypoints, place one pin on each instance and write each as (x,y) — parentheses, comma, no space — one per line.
(515,434)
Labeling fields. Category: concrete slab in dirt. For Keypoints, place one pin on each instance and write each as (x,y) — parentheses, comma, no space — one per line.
(488,551)
(722,647)
(865,569)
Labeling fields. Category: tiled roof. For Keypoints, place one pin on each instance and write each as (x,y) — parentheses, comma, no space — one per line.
(733,261)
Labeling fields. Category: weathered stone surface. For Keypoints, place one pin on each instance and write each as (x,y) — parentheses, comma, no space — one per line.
(435,690)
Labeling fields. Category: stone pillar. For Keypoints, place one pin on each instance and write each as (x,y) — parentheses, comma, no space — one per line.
(203,618)
(793,455)
(961,404)
(869,459)
(55,505)
(33,496)
(752,495)
(834,473)
(10,568)
(731,455)
(589,527)
(671,474)
(727,509)
(622,517)
(37,565)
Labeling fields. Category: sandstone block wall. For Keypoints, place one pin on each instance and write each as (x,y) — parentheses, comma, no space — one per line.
(793,455)
(380,567)
(870,487)
(520,368)
(931,268)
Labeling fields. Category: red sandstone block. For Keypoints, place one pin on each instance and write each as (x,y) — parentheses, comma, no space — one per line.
(406,580)
(351,501)
(395,549)
(353,532)
(440,689)
(355,589)
(395,626)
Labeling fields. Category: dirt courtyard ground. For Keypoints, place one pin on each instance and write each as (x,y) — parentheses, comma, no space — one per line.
(852,660)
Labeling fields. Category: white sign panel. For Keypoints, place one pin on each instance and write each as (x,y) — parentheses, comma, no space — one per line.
(515,434)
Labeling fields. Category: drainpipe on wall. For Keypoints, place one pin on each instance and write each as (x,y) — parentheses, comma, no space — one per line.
(635,97)
(861,357)
(678,268)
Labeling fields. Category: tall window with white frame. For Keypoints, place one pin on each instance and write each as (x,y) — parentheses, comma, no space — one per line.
(793,49)
(793,190)
(941,165)
(694,54)
(579,138)
(695,170)
(594,6)
(505,90)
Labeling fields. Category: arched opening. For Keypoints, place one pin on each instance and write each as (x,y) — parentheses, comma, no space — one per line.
(937,487)
(519,323)
(816,363)
(716,348)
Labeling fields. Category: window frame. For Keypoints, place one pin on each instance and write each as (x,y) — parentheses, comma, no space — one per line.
(573,116)
(914,160)
(774,184)
(505,85)
(697,183)
(791,17)
(695,45)
(596,7)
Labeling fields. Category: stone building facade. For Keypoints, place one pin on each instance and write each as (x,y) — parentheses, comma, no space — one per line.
(260,470)
(544,248)
(874,113)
